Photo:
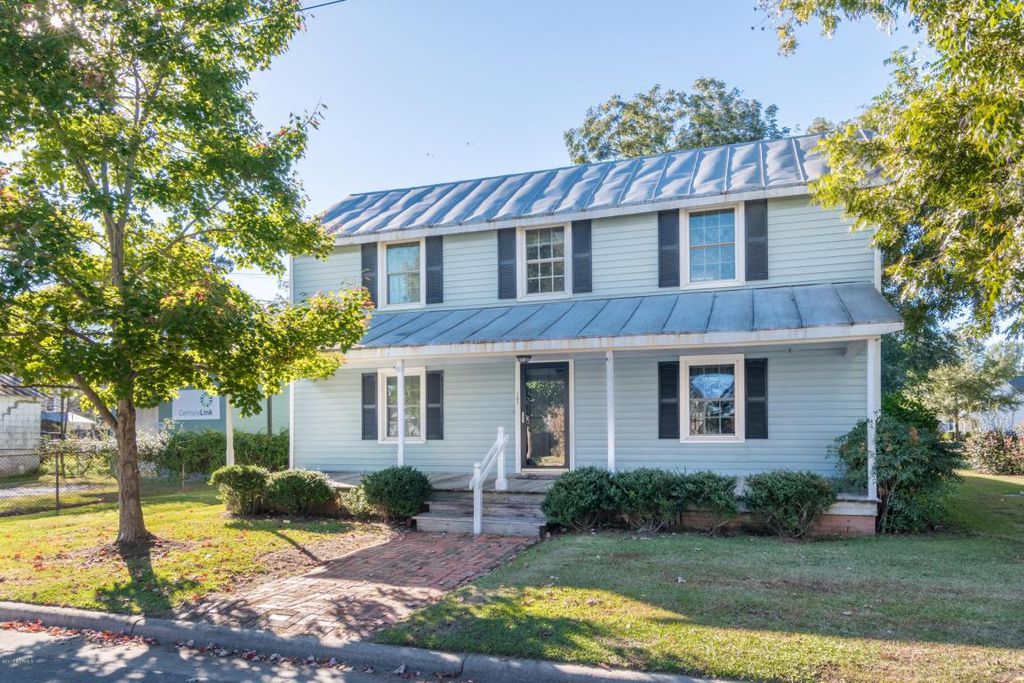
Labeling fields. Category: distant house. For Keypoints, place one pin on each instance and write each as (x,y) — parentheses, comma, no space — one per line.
(20,410)
(1005,418)
(690,310)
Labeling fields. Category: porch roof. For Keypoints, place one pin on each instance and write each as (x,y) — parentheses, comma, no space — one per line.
(804,312)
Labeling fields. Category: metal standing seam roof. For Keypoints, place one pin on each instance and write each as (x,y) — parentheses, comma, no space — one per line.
(701,312)
(748,166)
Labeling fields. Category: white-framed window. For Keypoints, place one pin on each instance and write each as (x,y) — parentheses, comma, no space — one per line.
(415,405)
(544,268)
(713,241)
(401,274)
(712,405)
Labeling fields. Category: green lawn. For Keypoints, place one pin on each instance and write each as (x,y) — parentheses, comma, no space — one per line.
(66,559)
(939,607)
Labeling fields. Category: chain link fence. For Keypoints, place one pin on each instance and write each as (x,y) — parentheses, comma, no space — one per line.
(48,480)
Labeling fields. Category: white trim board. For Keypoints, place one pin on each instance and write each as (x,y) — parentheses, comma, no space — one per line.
(842,333)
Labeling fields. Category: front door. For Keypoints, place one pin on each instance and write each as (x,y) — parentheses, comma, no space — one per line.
(544,416)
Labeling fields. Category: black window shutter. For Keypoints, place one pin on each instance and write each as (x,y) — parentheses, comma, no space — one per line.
(755,221)
(370,270)
(582,277)
(507,263)
(435,269)
(668,248)
(756,371)
(370,406)
(668,400)
(435,404)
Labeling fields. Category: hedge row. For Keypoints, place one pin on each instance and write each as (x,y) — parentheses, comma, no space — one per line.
(395,493)
(652,499)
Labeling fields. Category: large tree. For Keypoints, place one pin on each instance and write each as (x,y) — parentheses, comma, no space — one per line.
(659,121)
(141,179)
(942,175)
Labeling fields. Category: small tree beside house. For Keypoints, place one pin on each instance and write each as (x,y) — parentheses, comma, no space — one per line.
(142,178)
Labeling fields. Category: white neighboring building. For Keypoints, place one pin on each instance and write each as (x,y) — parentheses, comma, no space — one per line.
(20,410)
(1006,418)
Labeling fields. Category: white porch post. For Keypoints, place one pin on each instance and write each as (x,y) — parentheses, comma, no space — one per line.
(609,372)
(229,432)
(400,370)
(874,371)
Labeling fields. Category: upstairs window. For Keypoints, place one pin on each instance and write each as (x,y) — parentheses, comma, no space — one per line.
(711,253)
(544,259)
(402,263)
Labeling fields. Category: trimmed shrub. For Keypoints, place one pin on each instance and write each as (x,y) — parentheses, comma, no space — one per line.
(188,453)
(191,452)
(914,466)
(242,487)
(995,451)
(397,492)
(789,502)
(580,499)
(355,504)
(299,492)
(265,450)
(648,499)
(713,494)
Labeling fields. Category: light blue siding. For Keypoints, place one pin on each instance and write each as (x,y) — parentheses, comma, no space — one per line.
(815,395)
(342,269)
(806,244)
(478,397)
(470,269)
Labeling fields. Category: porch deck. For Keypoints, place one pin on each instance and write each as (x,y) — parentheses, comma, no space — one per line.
(449,481)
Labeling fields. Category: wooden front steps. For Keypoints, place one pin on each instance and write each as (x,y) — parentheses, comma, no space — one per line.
(505,514)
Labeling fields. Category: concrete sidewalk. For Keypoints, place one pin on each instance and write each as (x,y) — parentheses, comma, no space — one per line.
(357,654)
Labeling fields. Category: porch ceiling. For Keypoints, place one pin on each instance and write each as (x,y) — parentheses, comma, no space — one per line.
(807,312)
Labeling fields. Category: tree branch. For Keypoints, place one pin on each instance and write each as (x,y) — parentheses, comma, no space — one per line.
(97,403)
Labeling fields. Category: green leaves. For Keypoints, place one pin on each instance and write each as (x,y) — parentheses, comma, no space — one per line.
(659,121)
(142,177)
(943,178)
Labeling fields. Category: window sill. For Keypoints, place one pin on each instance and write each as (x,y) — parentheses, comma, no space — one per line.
(401,307)
(713,284)
(408,440)
(712,439)
(545,296)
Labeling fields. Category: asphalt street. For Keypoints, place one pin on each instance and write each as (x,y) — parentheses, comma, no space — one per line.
(42,658)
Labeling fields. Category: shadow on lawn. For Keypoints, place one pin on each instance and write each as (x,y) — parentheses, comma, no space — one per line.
(532,637)
(144,591)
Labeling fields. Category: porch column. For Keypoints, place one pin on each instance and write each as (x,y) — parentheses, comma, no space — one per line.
(874,371)
(609,375)
(400,371)
(229,432)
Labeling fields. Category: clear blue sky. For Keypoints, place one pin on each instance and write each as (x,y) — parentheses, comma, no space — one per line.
(425,91)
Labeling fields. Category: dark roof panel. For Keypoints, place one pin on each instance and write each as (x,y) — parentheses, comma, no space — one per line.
(699,312)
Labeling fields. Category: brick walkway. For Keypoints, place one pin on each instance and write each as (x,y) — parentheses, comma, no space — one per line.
(356,594)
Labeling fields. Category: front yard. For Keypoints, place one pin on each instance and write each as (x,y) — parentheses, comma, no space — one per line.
(66,559)
(946,606)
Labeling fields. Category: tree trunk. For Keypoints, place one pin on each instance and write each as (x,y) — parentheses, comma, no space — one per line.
(131,529)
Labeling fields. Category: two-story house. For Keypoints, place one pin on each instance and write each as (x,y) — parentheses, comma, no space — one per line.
(690,310)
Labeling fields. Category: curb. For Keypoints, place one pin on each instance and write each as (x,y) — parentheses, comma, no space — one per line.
(355,653)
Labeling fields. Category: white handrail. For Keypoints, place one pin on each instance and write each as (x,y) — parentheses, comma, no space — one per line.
(480,471)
